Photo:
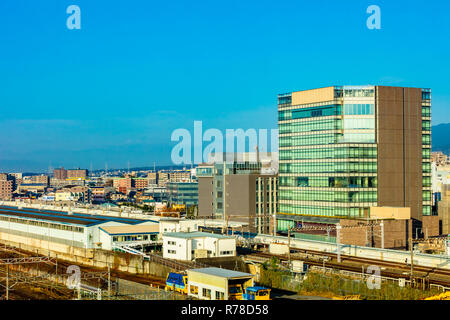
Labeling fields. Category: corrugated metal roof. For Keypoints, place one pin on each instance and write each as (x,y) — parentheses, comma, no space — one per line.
(224,273)
(64,217)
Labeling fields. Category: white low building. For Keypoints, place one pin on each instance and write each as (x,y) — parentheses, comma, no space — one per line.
(177,225)
(189,245)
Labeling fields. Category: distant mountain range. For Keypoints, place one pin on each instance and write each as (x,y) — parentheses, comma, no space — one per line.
(440,138)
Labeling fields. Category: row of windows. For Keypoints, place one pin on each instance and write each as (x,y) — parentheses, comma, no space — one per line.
(426,125)
(312,112)
(333,167)
(330,182)
(330,153)
(426,195)
(322,211)
(44,224)
(426,167)
(426,139)
(309,140)
(358,124)
(138,237)
(359,109)
(317,125)
(368,137)
(359,93)
(426,111)
(426,153)
(329,196)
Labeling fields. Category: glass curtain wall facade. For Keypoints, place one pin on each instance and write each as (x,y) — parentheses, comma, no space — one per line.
(426,152)
(328,155)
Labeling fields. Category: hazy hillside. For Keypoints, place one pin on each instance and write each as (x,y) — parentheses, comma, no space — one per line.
(440,136)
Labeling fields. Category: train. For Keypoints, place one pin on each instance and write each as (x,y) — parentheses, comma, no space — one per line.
(178,282)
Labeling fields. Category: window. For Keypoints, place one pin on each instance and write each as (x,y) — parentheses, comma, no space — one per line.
(194,290)
(171,251)
(206,293)
(219,295)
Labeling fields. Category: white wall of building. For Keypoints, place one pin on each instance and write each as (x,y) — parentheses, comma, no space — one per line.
(183,248)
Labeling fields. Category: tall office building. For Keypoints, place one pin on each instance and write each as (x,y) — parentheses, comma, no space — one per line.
(346,149)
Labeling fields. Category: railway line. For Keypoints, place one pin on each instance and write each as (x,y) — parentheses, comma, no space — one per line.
(93,276)
(388,269)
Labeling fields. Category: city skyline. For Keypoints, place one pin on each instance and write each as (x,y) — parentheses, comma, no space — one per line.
(116,89)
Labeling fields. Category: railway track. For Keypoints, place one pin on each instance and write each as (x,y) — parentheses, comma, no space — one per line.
(97,273)
(423,272)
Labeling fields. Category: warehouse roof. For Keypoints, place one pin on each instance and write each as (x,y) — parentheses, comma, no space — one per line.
(191,235)
(64,217)
(223,273)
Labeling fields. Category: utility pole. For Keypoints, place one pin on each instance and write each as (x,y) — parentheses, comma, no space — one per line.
(7,282)
(412,257)
(109,281)
(338,242)
(289,247)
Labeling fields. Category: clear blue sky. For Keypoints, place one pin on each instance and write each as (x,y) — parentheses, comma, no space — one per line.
(116,89)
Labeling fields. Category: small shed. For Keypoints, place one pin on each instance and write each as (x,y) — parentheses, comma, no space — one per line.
(218,284)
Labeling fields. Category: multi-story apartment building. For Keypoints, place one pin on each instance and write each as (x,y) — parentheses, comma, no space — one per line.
(163,178)
(239,189)
(140,183)
(77,174)
(6,186)
(60,174)
(344,150)
(41,179)
(152,178)
(179,176)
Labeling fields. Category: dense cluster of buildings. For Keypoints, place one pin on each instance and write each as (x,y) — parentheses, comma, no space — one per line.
(348,155)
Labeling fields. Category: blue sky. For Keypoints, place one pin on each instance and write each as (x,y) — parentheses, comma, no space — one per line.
(137,70)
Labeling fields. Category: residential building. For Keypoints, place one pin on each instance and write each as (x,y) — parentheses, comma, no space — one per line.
(41,179)
(60,174)
(6,186)
(345,149)
(77,173)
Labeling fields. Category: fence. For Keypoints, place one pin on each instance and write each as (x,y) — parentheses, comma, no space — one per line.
(132,290)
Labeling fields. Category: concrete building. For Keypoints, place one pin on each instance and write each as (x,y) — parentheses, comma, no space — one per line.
(77,174)
(32,187)
(163,178)
(6,186)
(346,149)
(170,225)
(49,229)
(240,188)
(217,284)
(60,174)
(189,245)
(41,179)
